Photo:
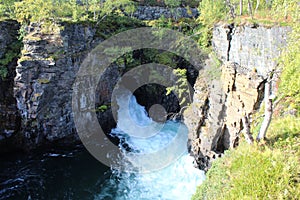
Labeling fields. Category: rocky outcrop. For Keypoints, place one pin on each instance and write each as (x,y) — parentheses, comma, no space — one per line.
(9,116)
(251,46)
(221,111)
(43,84)
(215,118)
(44,77)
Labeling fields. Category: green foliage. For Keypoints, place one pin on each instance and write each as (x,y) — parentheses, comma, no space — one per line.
(115,6)
(34,10)
(55,10)
(190,3)
(283,9)
(211,12)
(172,3)
(290,64)
(111,25)
(252,172)
(7,9)
(3,72)
(181,87)
(11,53)
(284,134)
(102,108)
(184,25)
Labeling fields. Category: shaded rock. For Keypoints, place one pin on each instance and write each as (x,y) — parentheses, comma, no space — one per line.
(9,117)
(215,117)
(249,54)
(44,80)
(155,12)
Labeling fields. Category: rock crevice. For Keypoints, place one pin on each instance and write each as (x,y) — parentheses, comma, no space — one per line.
(221,111)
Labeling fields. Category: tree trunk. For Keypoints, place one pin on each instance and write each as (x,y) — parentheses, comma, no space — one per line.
(231,8)
(257,5)
(268,112)
(241,7)
(250,8)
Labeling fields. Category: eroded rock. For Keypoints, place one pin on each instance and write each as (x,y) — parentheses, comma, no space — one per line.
(215,117)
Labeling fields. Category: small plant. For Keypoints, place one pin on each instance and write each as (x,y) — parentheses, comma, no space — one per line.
(181,87)
(211,12)
(102,108)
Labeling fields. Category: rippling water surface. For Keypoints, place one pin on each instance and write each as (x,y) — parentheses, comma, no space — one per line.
(76,174)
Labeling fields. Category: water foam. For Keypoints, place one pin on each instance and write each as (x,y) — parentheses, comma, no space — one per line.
(178,180)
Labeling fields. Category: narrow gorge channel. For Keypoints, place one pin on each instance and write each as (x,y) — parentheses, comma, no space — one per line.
(42,153)
(82,177)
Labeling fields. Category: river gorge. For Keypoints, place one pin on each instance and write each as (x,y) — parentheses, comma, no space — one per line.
(42,156)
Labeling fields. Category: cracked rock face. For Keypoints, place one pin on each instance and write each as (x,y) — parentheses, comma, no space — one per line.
(9,117)
(44,80)
(251,46)
(215,117)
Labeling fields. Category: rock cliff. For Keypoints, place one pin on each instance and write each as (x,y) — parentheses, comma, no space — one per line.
(221,111)
(9,116)
(43,83)
(36,94)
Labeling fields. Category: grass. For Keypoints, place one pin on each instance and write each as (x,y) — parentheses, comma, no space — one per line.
(262,171)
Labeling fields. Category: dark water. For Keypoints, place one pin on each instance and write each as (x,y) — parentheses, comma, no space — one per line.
(75,174)
(68,174)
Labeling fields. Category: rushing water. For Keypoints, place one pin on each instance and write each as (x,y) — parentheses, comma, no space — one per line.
(77,175)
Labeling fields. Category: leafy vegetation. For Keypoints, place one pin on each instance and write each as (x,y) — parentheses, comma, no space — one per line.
(274,12)
(269,170)
(26,11)
(102,108)
(181,88)
(12,53)
(289,63)
(190,3)
(262,171)
(253,172)
(7,8)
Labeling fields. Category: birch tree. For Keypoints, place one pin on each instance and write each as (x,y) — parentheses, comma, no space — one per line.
(241,7)
(268,110)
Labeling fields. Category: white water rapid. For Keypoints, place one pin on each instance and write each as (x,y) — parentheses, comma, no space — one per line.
(177,180)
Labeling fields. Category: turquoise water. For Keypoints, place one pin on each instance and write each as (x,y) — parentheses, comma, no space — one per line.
(75,174)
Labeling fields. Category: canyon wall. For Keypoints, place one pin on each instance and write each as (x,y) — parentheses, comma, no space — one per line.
(35,107)
(36,94)
(10,119)
(221,110)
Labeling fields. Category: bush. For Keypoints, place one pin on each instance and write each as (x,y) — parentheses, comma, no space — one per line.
(7,9)
(210,13)
(289,62)
(252,172)
(53,10)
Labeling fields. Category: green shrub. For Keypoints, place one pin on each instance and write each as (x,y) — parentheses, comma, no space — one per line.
(11,53)
(54,10)
(7,9)
(252,172)
(290,64)
(210,13)
(102,108)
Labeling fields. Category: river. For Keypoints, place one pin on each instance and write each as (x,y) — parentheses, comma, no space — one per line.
(75,174)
